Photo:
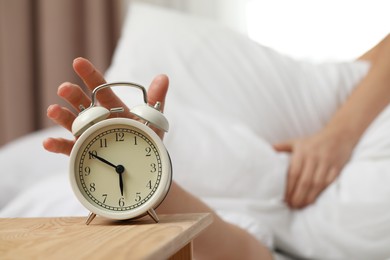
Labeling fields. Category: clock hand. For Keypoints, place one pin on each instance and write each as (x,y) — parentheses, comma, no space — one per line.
(102,160)
(121,183)
(118,168)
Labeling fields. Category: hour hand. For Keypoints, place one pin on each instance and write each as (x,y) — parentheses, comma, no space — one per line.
(120,169)
(121,182)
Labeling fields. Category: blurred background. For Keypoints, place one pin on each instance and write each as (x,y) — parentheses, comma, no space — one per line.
(40,38)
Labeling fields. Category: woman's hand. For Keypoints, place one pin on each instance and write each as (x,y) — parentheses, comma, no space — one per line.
(317,160)
(75,96)
(315,163)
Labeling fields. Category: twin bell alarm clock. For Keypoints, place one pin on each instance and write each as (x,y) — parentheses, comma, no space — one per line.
(119,167)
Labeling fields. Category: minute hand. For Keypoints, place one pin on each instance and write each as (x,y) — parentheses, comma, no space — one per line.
(118,168)
(102,159)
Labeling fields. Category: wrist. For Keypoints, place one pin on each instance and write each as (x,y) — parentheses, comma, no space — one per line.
(344,132)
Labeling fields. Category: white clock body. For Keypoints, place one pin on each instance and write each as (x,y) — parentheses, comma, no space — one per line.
(96,173)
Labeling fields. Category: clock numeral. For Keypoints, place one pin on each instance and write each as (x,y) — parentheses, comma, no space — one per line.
(148,151)
(154,167)
(103,142)
(119,137)
(105,197)
(92,154)
(149,185)
(87,171)
(135,140)
(121,202)
(138,197)
(92,187)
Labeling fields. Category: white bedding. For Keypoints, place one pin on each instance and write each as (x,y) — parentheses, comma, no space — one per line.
(229,100)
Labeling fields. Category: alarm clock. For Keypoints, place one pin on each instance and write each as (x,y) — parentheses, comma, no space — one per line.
(119,167)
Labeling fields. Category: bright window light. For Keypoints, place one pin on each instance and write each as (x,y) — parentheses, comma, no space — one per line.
(319,29)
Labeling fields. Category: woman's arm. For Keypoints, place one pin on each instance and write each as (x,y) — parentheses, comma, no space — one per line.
(221,240)
(317,160)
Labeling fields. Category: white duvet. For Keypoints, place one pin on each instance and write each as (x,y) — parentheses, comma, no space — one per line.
(229,100)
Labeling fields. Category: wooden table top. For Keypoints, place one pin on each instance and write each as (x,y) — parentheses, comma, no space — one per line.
(71,238)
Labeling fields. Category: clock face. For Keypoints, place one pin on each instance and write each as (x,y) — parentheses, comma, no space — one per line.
(119,169)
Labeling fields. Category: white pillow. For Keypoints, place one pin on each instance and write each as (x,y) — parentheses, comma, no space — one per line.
(25,162)
(214,69)
(229,99)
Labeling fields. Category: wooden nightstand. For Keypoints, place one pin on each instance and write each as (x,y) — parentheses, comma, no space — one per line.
(70,238)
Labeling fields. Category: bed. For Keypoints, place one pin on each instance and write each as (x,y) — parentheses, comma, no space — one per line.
(350,220)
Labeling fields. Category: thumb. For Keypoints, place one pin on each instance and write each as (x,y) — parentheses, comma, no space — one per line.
(158,90)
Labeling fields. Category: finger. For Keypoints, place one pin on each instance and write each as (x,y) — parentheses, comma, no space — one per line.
(61,115)
(158,90)
(284,147)
(93,78)
(74,95)
(58,145)
(88,73)
(157,93)
(303,185)
(293,175)
(318,184)
(334,172)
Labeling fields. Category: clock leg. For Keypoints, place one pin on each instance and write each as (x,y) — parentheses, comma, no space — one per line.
(153,215)
(91,216)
